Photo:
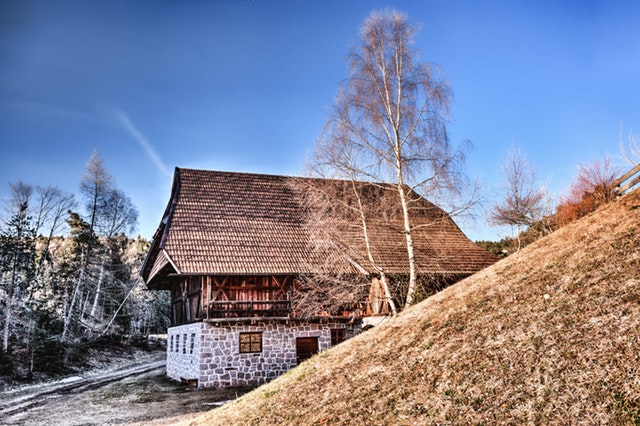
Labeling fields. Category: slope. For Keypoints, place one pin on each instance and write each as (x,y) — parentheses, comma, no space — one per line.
(550,335)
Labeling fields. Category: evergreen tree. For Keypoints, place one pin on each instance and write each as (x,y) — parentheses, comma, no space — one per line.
(17,251)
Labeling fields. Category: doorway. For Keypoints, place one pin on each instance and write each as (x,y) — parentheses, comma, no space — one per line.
(306,347)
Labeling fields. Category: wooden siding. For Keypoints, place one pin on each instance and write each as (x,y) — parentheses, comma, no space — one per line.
(186,303)
(196,298)
(210,297)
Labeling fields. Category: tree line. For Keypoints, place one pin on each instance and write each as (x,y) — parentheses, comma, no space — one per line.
(69,273)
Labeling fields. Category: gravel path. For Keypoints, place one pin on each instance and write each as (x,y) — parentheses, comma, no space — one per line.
(25,399)
(138,394)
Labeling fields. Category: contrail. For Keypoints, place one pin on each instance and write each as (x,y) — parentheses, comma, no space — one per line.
(142,140)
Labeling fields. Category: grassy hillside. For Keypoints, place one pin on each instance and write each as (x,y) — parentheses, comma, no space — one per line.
(550,335)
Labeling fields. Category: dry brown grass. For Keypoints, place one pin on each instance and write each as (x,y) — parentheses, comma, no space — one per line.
(550,335)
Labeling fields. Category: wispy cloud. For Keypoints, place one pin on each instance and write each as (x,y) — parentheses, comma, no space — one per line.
(143,141)
(40,109)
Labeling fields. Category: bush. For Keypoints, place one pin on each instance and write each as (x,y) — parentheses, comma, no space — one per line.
(591,188)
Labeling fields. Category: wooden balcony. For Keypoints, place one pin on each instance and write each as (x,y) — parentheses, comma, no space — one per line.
(247,309)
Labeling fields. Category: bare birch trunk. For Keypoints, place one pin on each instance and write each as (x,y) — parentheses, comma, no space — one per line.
(92,314)
(7,322)
(411,290)
(387,294)
(72,304)
(8,308)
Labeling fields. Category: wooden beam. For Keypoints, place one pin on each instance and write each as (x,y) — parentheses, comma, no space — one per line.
(622,189)
(626,176)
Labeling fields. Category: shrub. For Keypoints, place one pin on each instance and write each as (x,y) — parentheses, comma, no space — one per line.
(591,188)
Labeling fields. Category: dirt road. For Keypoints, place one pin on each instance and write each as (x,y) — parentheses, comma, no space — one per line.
(135,395)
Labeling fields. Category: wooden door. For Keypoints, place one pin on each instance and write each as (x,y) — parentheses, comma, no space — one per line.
(306,347)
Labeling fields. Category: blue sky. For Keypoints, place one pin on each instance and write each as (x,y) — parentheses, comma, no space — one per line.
(245,85)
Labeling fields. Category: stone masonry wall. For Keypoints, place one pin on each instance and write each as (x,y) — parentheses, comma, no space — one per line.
(210,353)
(222,364)
(183,351)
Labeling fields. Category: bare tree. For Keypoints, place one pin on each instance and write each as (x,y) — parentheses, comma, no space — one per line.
(631,150)
(389,122)
(596,179)
(94,187)
(21,195)
(523,203)
(51,207)
(117,216)
(338,221)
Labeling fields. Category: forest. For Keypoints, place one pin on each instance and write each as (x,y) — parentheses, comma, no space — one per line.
(69,276)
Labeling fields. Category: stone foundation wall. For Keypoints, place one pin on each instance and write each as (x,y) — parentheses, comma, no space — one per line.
(183,351)
(216,361)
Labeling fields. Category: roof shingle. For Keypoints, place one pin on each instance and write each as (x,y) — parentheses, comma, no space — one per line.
(226,223)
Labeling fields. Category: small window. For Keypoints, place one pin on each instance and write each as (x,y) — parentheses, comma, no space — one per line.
(177,343)
(171,343)
(184,343)
(337,336)
(193,342)
(250,342)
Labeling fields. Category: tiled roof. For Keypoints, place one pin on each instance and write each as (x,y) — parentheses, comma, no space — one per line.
(241,223)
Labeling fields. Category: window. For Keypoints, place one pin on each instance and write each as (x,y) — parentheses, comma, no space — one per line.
(184,343)
(250,342)
(171,343)
(193,342)
(177,343)
(337,336)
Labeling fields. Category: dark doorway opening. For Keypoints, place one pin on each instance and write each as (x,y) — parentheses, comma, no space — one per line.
(306,347)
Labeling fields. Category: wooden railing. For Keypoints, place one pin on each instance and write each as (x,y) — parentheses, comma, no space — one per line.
(626,182)
(247,309)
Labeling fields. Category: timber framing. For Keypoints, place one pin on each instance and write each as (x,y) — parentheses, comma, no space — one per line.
(217,297)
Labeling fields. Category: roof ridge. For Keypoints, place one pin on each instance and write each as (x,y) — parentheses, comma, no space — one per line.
(272,175)
(238,173)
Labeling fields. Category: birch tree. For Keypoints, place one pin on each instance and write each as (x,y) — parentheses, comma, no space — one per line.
(118,215)
(389,123)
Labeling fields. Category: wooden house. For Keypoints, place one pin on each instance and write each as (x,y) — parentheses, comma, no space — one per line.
(231,248)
